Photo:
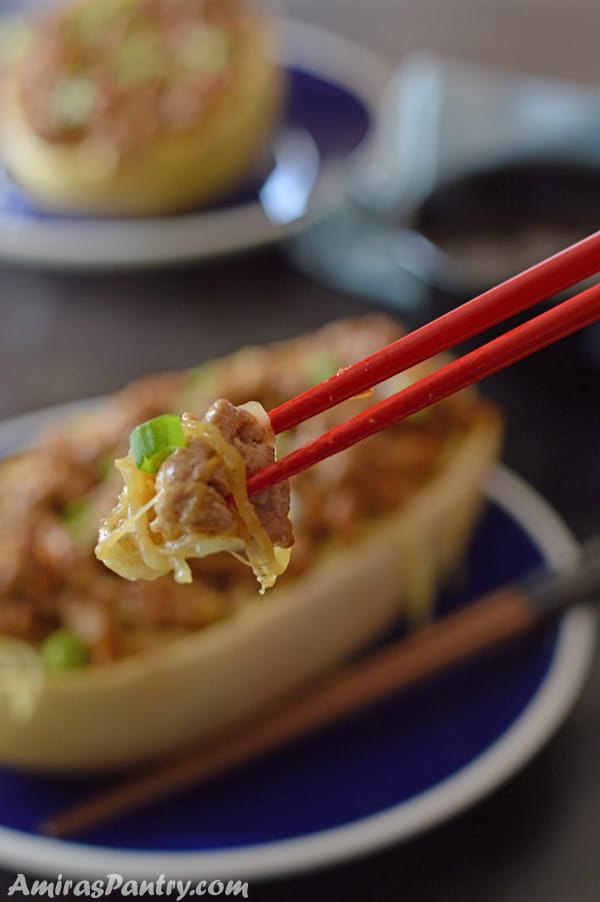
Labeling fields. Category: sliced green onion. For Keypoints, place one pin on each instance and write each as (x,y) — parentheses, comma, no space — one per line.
(200,375)
(321,367)
(282,442)
(138,58)
(92,21)
(153,441)
(76,515)
(63,650)
(420,415)
(105,466)
(205,49)
(72,100)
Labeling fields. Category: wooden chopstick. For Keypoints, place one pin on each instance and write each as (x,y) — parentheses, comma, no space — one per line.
(539,282)
(487,622)
(554,324)
(495,619)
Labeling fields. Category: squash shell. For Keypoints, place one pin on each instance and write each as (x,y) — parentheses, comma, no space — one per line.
(194,687)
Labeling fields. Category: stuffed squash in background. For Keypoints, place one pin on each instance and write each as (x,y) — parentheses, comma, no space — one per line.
(139,106)
(108,672)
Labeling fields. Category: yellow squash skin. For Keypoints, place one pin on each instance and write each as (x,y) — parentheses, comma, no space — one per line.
(172,172)
(154,702)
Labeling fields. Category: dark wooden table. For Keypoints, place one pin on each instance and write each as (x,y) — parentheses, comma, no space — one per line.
(69,336)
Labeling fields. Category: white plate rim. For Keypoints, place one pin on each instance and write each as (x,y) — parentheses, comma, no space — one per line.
(175,239)
(528,733)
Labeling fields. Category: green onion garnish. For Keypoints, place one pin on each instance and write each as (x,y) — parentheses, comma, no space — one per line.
(154,441)
(92,21)
(105,466)
(138,58)
(76,516)
(205,49)
(201,374)
(72,100)
(320,367)
(63,650)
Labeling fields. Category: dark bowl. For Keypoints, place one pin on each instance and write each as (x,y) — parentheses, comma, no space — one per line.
(481,229)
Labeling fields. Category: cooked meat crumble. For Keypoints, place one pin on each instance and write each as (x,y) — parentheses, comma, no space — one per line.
(193,488)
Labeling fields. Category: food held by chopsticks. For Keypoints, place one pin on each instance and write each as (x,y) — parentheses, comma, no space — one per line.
(134,669)
(185,496)
(138,106)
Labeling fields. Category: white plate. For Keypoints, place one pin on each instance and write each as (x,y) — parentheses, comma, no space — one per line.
(327,131)
(300,810)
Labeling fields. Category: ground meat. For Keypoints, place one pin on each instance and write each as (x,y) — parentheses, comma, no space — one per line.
(20,618)
(194,489)
(192,494)
(256,444)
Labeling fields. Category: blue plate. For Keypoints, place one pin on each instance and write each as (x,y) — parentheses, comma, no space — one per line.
(377,778)
(326,128)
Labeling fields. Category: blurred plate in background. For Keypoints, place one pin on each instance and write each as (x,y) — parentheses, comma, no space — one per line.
(326,131)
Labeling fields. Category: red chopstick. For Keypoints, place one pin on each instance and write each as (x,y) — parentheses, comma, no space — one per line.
(571,315)
(535,284)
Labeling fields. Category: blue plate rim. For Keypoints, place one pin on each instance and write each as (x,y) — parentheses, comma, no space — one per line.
(202,235)
(528,733)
